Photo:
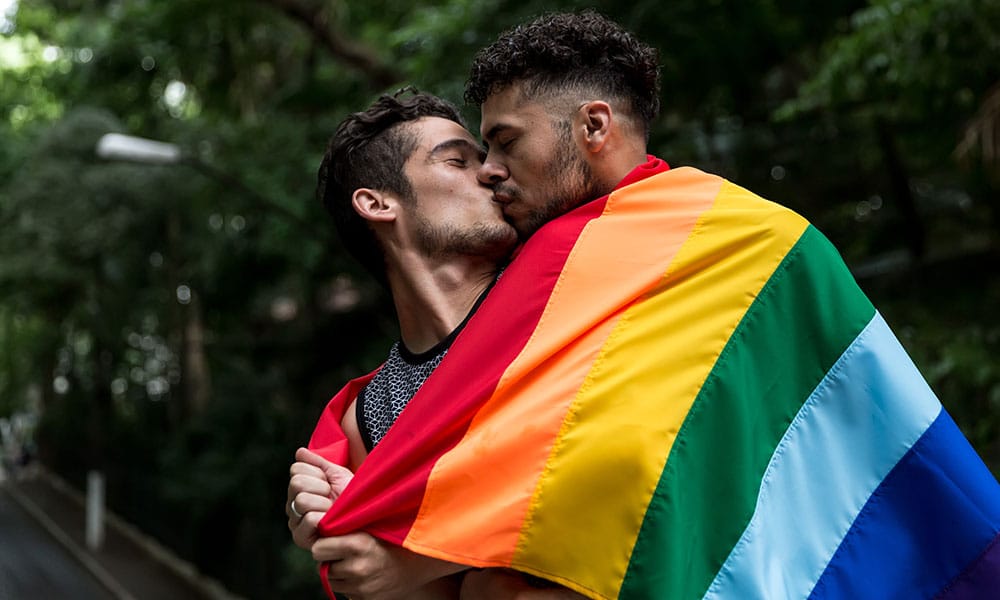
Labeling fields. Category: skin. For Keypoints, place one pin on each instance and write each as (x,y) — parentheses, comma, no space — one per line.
(442,247)
(453,218)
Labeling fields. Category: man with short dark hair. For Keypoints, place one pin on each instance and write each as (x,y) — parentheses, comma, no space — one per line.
(400,180)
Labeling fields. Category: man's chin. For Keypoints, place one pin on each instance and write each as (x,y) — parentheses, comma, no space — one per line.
(513,224)
(520,226)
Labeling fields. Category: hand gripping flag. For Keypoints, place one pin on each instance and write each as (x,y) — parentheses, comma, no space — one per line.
(678,391)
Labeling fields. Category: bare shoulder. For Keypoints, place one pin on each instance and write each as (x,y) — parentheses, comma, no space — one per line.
(356,447)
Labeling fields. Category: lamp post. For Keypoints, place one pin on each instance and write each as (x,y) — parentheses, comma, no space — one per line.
(128,148)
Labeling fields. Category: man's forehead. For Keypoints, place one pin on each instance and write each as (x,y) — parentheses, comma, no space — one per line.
(508,108)
(434,130)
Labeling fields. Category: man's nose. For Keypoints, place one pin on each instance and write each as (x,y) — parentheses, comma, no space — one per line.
(491,172)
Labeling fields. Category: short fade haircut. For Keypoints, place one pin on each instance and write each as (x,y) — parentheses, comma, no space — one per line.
(566,51)
(369,150)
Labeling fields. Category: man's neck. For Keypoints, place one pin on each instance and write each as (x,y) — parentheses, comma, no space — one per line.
(619,157)
(433,299)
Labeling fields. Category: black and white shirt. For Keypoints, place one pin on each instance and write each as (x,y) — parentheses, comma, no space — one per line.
(380,402)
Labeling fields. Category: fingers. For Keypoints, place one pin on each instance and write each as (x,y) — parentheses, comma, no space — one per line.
(307,502)
(339,548)
(306,470)
(309,495)
(304,530)
(310,464)
(362,566)
(313,484)
(312,507)
(307,484)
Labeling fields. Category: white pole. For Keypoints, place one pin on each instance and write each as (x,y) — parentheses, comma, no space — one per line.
(95,510)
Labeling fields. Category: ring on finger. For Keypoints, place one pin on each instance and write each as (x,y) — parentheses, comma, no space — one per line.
(295,512)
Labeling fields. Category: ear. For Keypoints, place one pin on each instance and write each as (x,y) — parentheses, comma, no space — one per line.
(374,205)
(594,119)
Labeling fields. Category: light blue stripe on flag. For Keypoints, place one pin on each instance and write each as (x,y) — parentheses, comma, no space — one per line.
(930,526)
(871,407)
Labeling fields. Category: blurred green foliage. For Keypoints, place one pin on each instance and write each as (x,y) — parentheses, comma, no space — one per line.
(182,331)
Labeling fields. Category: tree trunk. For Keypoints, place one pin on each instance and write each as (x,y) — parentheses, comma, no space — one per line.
(914,232)
(196,373)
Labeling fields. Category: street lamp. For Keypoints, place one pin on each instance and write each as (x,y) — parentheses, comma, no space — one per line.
(116,146)
(129,148)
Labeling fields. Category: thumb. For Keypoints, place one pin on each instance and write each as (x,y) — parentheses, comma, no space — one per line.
(311,458)
(338,477)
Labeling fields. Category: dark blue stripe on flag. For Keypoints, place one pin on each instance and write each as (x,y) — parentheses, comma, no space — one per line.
(981,576)
(931,518)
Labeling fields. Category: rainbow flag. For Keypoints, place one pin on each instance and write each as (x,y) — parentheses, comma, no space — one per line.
(678,391)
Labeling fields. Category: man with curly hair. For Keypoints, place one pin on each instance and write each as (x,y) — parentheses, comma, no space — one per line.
(567,101)
(745,418)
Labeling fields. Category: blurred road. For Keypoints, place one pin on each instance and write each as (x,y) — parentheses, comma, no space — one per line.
(43,554)
(34,565)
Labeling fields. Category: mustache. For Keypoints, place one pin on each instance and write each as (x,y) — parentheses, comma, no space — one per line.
(506,191)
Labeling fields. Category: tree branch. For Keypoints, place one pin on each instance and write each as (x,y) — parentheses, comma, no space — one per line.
(983,132)
(344,49)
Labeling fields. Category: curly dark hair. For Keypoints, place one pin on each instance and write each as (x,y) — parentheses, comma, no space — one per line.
(369,149)
(560,52)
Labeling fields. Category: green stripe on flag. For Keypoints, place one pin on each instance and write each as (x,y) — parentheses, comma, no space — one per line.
(805,316)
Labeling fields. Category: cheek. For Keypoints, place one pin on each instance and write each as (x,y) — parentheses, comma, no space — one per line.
(523,171)
(534,161)
(534,177)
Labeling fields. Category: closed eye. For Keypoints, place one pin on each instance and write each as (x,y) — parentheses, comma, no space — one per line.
(457,152)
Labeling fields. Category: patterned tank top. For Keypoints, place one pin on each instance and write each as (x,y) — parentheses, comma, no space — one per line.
(387,394)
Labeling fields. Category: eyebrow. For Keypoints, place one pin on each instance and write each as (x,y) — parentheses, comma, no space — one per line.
(453,143)
(495,131)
